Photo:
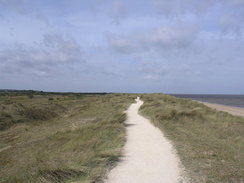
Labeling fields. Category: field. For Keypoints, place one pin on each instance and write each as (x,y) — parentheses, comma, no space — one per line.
(210,144)
(69,137)
(60,138)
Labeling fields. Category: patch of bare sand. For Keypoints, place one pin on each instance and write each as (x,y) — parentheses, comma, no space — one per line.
(148,156)
(232,110)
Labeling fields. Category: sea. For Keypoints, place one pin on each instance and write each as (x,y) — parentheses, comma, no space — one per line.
(230,100)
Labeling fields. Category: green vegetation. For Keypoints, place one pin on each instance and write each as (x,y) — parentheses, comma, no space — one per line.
(70,138)
(210,144)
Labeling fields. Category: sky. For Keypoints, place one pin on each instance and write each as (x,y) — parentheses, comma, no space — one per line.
(176,46)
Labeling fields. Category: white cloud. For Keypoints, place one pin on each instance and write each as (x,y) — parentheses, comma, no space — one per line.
(162,38)
(183,41)
(53,52)
(178,7)
(226,15)
(118,11)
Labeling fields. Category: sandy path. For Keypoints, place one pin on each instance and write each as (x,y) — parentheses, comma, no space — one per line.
(148,156)
(232,110)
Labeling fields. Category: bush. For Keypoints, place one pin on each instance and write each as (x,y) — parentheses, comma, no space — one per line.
(39,114)
(30,96)
(6,120)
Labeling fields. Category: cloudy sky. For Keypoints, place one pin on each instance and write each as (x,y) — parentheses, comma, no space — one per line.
(176,46)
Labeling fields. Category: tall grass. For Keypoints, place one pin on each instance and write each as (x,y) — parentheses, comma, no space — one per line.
(210,144)
(78,138)
(80,143)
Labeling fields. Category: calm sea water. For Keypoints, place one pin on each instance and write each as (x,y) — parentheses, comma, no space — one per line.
(231,100)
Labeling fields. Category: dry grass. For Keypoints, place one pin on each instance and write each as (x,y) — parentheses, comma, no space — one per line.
(73,138)
(210,143)
(52,138)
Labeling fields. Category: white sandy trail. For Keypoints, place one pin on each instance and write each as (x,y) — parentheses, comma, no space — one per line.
(148,156)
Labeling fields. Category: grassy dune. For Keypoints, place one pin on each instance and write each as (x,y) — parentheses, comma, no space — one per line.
(210,144)
(49,138)
(60,138)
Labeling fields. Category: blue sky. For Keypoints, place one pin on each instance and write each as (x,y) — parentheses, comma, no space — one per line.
(177,46)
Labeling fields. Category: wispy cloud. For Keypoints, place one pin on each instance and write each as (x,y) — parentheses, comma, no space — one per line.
(53,51)
(113,44)
(162,38)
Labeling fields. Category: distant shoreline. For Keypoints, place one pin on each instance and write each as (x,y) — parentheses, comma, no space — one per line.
(226,100)
(233,104)
(232,110)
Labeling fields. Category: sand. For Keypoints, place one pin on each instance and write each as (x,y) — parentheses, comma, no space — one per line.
(148,156)
(232,110)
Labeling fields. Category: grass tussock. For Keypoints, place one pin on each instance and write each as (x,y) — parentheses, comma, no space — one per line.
(210,144)
(16,110)
(70,139)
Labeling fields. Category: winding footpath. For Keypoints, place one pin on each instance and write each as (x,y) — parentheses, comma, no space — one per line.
(148,155)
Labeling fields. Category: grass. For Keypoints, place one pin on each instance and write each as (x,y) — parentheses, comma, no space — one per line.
(71,138)
(67,137)
(209,143)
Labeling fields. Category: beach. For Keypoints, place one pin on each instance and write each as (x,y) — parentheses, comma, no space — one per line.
(232,110)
